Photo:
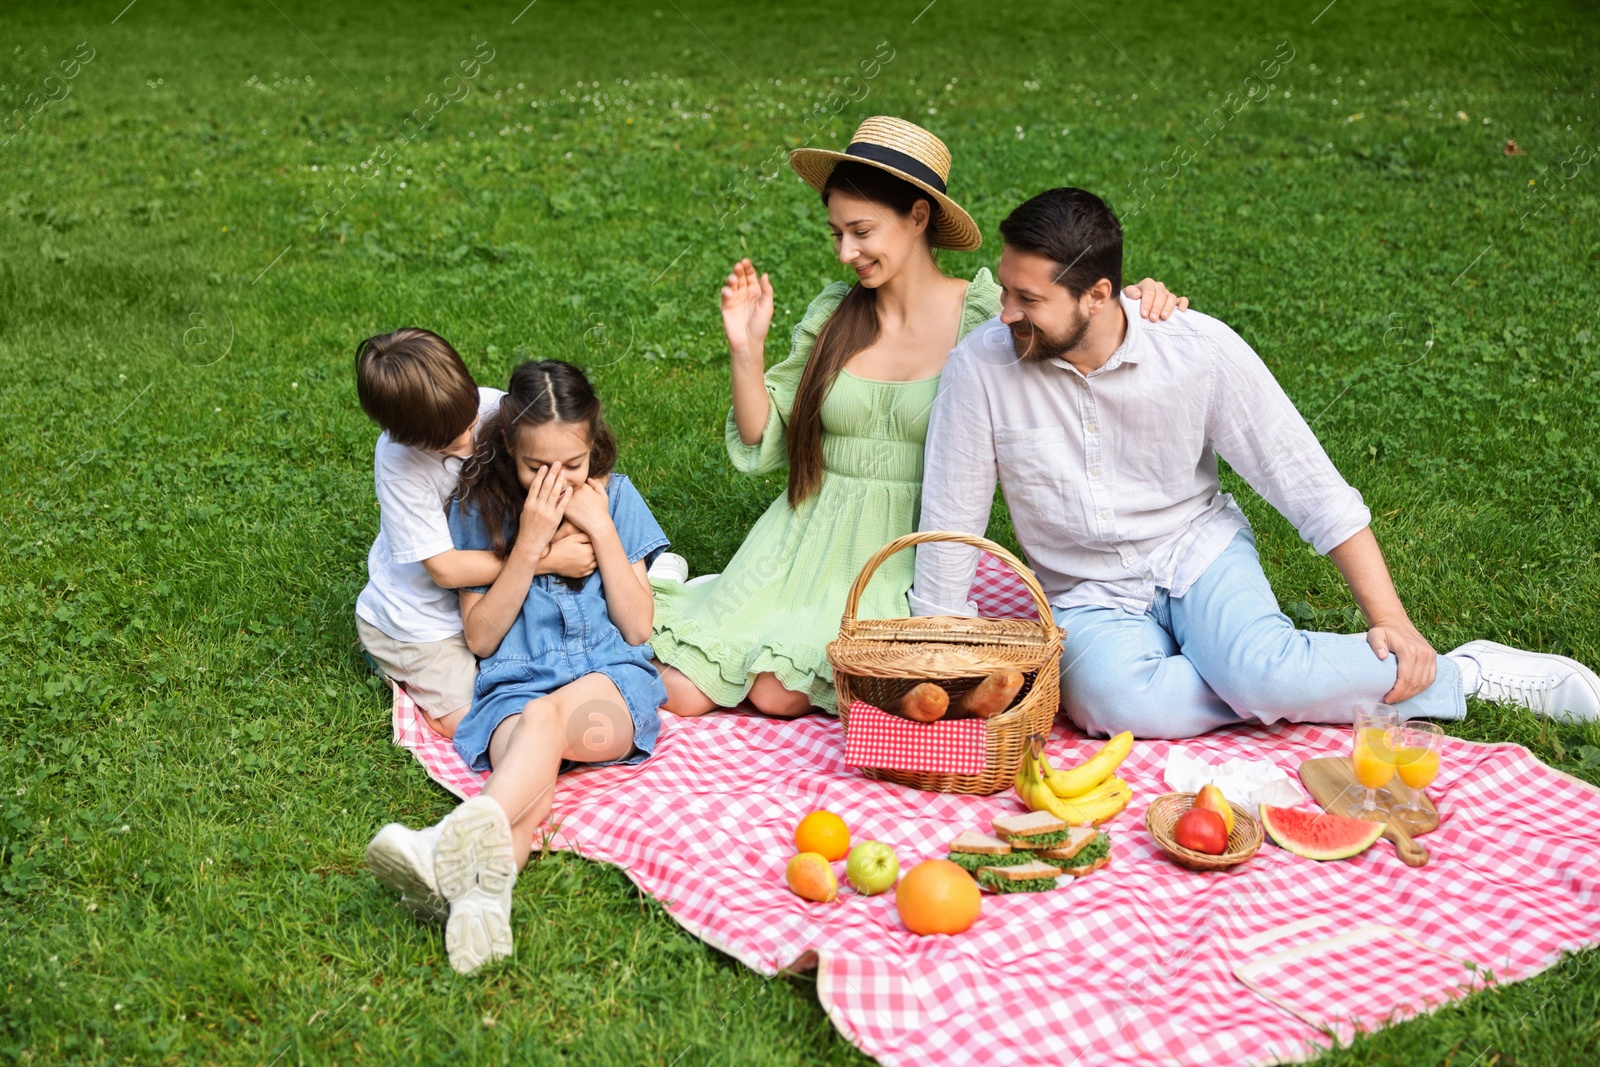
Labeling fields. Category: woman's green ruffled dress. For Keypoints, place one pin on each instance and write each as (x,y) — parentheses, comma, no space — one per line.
(778,602)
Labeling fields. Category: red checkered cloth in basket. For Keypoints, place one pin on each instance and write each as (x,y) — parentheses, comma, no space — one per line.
(1135,964)
(878,739)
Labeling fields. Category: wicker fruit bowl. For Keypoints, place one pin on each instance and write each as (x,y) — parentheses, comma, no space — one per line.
(876,660)
(1162,816)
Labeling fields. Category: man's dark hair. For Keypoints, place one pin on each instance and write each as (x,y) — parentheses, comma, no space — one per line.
(1076,230)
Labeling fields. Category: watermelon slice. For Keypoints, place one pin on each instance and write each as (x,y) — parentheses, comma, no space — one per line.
(1317,835)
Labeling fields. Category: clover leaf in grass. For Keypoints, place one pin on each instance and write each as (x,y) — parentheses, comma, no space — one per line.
(1589,757)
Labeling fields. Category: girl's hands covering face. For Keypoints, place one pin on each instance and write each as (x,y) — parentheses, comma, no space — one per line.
(589,509)
(548,499)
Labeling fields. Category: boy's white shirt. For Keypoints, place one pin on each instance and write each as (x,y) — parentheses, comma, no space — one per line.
(413,486)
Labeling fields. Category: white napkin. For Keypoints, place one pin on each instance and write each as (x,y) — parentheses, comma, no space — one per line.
(1250,783)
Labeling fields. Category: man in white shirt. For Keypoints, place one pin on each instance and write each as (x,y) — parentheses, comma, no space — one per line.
(1103,430)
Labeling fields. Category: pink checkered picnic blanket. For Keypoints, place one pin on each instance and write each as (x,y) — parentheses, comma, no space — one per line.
(1142,962)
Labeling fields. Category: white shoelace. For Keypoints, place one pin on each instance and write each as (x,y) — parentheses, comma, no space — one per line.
(1531,693)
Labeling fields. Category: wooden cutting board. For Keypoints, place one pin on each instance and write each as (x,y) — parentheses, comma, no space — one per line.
(1327,778)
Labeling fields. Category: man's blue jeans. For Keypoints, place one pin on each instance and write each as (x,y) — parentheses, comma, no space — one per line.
(1223,653)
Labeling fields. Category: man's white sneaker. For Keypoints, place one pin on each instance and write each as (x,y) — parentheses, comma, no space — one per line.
(669,567)
(475,872)
(402,859)
(700,580)
(1552,685)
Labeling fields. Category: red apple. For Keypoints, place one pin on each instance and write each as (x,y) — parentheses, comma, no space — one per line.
(1202,830)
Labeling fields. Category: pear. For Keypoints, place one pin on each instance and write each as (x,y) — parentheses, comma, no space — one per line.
(1211,797)
(809,875)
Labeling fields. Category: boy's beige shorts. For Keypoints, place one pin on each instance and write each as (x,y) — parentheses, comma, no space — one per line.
(437,674)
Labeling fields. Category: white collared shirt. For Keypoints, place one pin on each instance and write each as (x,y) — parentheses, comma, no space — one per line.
(1111,477)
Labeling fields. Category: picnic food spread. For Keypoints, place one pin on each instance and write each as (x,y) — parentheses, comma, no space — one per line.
(1058,834)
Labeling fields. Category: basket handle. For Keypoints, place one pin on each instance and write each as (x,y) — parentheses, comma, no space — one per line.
(847,624)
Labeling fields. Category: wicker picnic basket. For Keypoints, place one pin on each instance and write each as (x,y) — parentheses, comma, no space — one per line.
(876,660)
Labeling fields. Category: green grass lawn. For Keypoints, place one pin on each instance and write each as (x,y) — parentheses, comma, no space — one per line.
(202,220)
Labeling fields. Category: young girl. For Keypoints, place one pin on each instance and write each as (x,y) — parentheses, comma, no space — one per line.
(564,674)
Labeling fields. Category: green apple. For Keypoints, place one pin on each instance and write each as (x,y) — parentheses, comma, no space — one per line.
(872,867)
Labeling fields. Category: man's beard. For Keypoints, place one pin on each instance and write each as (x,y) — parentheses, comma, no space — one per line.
(1035,346)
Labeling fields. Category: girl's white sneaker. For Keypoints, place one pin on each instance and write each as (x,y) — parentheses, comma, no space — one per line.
(669,567)
(475,873)
(402,859)
(1552,685)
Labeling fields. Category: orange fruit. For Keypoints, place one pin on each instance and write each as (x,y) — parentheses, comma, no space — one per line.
(809,875)
(938,897)
(824,833)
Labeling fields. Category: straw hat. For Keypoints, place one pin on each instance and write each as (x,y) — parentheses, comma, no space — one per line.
(907,151)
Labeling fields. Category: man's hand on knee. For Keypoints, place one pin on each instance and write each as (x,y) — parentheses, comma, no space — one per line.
(1416,661)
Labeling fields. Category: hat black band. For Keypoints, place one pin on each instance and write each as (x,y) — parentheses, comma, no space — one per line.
(891,157)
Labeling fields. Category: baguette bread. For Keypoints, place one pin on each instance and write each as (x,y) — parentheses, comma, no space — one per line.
(924,702)
(991,696)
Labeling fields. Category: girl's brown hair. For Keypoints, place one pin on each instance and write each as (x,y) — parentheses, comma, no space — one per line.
(539,392)
(853,326)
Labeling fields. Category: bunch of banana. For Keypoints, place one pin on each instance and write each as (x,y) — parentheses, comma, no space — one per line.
(1085,795)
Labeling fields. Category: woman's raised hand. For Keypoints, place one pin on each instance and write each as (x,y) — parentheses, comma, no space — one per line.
(544,509)
(1156,301)
(746,310)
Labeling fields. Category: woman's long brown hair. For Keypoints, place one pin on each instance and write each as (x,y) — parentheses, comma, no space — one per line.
(853,326)
(539,392)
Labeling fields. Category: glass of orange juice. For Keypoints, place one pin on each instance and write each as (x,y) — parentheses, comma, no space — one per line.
(1372,758)
(1416,751)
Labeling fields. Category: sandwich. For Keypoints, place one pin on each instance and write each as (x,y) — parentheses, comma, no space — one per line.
(1035,830)
(1031,877)
(973,850)
(1086,850)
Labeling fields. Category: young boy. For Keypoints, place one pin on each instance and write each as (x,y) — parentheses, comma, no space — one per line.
(416,387)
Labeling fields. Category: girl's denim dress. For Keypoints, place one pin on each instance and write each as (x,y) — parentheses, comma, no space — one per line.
(561,635)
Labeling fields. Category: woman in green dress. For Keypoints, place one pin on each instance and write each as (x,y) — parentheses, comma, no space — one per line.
(847,412)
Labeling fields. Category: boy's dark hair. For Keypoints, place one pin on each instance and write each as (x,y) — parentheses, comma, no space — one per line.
(1074,229)
(415,386)
(540,391)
